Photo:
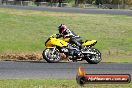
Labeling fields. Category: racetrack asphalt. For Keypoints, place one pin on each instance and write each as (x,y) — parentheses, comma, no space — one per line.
(72,10)
(62,70)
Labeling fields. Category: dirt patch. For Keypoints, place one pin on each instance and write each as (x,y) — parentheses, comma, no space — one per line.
(32,56)
(25,56)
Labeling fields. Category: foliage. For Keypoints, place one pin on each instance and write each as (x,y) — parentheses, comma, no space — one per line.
(128,2)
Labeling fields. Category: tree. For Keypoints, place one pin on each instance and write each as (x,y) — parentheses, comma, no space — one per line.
(77,2)
(98,2)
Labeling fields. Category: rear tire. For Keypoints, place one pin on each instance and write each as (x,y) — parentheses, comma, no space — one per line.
(93,58)
(49,57)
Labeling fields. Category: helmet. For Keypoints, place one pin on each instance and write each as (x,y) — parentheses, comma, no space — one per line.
(62,28)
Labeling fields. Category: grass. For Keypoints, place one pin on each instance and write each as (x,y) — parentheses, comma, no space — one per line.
(55,84)
(27,30)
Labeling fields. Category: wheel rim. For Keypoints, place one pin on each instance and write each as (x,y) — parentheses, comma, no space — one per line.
(96,56)
(52,57)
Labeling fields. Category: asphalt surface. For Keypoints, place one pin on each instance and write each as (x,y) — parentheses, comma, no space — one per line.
(72,10)
(44,70)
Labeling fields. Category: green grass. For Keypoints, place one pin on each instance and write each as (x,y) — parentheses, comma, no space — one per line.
(27,30)
(55,84)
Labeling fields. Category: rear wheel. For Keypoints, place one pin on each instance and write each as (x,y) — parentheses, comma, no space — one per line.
(50,56)
(94,58)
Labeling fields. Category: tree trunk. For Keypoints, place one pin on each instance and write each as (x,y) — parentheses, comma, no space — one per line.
(123,4)
(60,3)
(77,2)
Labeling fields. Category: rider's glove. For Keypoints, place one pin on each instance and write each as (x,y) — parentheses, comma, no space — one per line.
(59,35)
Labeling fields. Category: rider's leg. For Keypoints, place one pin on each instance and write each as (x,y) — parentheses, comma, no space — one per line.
(74,41)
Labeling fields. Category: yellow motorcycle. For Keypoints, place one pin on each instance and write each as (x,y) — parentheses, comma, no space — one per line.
(55,46)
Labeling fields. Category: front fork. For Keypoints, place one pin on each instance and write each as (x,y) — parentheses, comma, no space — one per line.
(53,50)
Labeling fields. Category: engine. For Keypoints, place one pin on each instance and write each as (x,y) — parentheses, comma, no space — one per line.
(73,51)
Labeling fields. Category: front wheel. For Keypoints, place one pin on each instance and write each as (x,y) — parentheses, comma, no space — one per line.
(94,57)
(50,56)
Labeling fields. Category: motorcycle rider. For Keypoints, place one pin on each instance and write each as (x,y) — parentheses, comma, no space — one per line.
(67,33)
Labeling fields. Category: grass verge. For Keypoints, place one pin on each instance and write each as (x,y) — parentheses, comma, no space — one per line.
(55,84)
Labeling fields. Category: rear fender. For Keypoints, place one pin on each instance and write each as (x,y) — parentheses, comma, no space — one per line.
(89,43)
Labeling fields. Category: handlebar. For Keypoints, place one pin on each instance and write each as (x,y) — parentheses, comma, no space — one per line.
(56,36)
(52,36)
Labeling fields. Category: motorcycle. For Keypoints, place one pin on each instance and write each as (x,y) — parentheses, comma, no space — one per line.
(56,46)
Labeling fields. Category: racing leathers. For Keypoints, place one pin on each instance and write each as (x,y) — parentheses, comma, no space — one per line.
(74,39)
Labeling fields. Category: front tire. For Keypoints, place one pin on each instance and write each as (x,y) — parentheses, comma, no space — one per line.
(49,57)
(93,58)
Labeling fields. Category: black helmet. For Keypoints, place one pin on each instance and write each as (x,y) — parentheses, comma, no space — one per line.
(62,28)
